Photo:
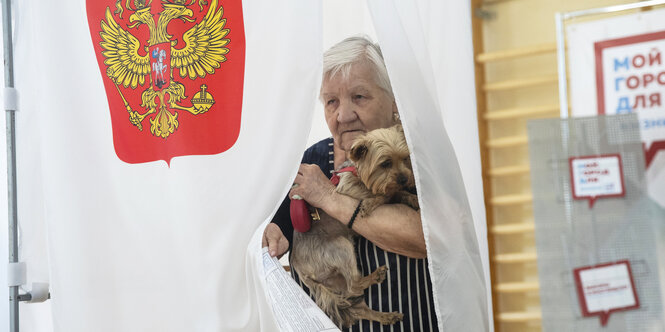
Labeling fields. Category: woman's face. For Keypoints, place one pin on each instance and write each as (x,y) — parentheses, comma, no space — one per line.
(355,105)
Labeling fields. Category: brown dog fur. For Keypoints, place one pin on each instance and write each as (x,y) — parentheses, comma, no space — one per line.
(324,257)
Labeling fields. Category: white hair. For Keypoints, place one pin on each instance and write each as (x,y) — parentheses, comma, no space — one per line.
(353,50)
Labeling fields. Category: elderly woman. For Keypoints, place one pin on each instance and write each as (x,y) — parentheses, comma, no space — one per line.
(357,98)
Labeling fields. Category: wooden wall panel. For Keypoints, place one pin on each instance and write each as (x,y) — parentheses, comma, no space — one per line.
(516,80)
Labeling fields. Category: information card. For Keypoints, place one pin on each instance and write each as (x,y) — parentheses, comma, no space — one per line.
(606,288)
(594,177)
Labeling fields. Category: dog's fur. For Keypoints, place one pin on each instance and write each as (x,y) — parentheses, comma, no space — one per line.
(324,257)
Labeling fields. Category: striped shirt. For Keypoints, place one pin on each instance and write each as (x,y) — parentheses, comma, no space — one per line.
(407,288)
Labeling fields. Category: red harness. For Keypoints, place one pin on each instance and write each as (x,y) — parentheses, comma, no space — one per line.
(335,178)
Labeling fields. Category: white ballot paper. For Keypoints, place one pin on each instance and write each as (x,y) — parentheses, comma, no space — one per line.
(293,309)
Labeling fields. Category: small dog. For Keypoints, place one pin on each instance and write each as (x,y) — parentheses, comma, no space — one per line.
(384,169)
(324,257)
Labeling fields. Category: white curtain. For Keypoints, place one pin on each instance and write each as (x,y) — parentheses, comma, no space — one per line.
(147,247)
(447,30)
(405,31)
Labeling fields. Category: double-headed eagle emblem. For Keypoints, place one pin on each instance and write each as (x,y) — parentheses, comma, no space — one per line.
(131,62)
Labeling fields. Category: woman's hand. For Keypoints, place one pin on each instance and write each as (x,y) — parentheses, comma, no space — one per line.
(274,239)
(312,186)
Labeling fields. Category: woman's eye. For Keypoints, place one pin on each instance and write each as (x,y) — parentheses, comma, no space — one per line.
(358,97)
(330,102)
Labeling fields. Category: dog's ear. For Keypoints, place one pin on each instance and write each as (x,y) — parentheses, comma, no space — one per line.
(358,150)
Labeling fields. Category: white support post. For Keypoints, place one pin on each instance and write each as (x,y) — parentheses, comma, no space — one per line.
(11,162)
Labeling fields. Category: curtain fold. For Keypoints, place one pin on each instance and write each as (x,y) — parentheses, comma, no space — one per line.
(456,262)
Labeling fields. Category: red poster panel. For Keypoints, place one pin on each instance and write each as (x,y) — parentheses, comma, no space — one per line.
(173,71)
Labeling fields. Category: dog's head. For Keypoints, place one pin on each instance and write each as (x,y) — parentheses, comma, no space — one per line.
(382,159)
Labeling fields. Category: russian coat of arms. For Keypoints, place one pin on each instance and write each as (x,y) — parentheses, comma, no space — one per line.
(173,72)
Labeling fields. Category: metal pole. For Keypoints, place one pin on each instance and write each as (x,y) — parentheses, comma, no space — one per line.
(11,161)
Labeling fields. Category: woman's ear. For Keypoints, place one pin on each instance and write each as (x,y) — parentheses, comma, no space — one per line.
(395,113)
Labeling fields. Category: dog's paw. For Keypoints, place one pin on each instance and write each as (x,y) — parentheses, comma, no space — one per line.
(411,200)
(369,205)
(414,204)
(380,274)
(390,318)
(364,211)
(396,317)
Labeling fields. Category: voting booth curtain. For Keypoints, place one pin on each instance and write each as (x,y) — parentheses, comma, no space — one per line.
(148,170)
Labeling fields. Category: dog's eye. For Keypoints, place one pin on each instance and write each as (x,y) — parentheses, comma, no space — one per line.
(386,164)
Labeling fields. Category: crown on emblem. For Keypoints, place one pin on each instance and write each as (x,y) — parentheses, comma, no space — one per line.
(138,5)
(179,2)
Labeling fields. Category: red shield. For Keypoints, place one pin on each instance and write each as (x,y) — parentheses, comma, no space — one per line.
(160,62)
(173,71)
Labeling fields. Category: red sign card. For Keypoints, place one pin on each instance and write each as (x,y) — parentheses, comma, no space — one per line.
(606,288)
(594,177)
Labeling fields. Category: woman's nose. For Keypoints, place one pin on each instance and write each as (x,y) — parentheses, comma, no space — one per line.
(346,113)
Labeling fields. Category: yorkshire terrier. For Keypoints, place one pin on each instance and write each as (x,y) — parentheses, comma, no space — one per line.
(324,256)
(384,169)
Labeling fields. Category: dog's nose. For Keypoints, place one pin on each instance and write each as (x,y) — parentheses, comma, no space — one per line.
(401,179)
